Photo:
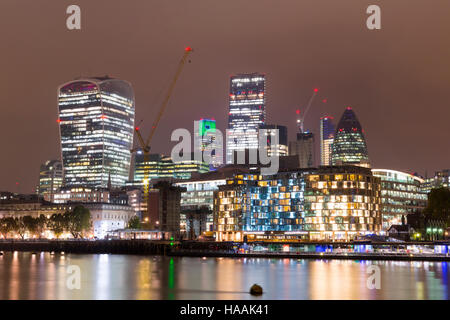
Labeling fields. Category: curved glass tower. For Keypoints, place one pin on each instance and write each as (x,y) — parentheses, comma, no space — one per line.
(96,120)
(349,145)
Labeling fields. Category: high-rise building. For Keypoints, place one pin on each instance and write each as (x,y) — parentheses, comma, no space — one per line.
(327,131)
(280,148)
(207,141)
(303,147)
(246,112)
(50,179)
(349,145)
(441,179)
(96,118)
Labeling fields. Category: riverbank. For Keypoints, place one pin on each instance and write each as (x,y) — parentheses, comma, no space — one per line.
(213,249)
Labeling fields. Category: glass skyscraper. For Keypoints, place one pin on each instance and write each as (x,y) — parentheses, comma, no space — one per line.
(327,131)
(96,120)
(246,113)
(349,146)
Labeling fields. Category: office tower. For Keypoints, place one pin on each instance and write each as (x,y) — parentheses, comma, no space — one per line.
(207,141)
(401,195)
(246,112)
(349,146)
(96,118)
(280,149)
(50,179)
(327,131)
(303,147)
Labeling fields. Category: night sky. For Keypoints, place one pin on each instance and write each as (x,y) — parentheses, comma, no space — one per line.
(397,79)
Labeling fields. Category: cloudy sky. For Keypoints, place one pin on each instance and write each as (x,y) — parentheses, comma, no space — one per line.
(397,79)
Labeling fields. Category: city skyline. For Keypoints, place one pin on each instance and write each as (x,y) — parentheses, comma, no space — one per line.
(378,94)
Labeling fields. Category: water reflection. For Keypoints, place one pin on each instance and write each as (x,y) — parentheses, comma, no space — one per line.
(44,276)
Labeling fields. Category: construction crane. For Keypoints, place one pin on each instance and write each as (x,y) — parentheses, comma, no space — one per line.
(144,145)
(301,118)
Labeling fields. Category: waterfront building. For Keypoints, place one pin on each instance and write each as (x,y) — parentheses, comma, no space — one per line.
(341,203)
(328,203)
(303,147)
(327,131)
(247,112)
(96,120)
(50,179)
(199,194)
(401,195)
(206,141)
(90,195)
(281,148)
(349,144)
(105,217)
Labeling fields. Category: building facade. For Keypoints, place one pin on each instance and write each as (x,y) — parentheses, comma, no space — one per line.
(328,203)
(440,179)
(96,121)
(327,131)
(349,145)
(247,112)
(50,179)
(341,203)
(159,166)
(401,195)
(105,217)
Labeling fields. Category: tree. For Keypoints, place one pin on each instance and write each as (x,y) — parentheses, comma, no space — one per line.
(78,221)
(30,224)
(20,227)
(134,223)
(41,224)
(439,204)
(6,226)
(57,224)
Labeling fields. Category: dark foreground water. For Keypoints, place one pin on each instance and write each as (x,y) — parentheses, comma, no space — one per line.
(45,276)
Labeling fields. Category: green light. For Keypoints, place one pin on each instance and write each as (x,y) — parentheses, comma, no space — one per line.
(207,125)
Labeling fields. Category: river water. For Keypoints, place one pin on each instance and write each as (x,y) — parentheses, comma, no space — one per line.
(25,275)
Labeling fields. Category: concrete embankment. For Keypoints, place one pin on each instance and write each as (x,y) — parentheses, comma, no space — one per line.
(318,256)
(196,249)
(85,246)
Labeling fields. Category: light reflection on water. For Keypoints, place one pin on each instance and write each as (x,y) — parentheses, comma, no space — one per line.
(44,276)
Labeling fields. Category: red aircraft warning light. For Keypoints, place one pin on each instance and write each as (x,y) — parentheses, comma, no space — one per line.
(188,49)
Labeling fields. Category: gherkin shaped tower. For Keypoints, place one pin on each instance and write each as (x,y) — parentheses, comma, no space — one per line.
(349,145)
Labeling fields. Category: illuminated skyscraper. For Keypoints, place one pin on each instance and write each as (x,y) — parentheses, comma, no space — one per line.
(327,131)
(349,146)
(96,118)
(207,141)
(247,112)
(50,179)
